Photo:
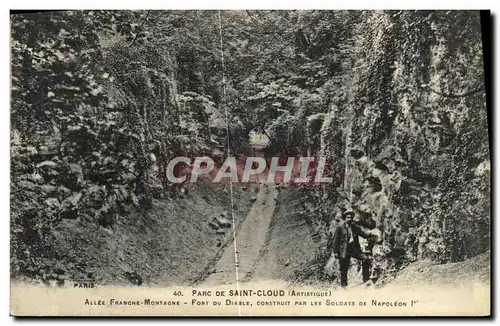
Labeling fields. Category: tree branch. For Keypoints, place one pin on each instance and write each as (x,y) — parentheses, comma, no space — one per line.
(251,17)
(140,26)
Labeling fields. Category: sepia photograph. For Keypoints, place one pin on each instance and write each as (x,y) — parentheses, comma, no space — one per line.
(249,163)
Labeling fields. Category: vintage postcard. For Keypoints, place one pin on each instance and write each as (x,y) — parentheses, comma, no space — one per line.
(249,163)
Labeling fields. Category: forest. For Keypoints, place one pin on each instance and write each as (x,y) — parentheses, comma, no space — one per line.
(102,100)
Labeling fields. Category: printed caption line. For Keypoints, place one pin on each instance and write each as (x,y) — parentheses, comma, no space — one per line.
(229,154)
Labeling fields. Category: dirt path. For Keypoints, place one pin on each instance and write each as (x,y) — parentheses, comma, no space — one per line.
(250,239)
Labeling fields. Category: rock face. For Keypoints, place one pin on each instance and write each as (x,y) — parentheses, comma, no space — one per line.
(213,225)
(220,222)
(223,221)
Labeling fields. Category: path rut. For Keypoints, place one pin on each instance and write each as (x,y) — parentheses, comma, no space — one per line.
(250,238)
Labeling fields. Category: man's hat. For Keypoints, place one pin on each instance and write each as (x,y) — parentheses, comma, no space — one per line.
(348,212)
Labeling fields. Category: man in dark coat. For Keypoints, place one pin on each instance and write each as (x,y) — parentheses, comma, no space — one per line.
(346,245)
